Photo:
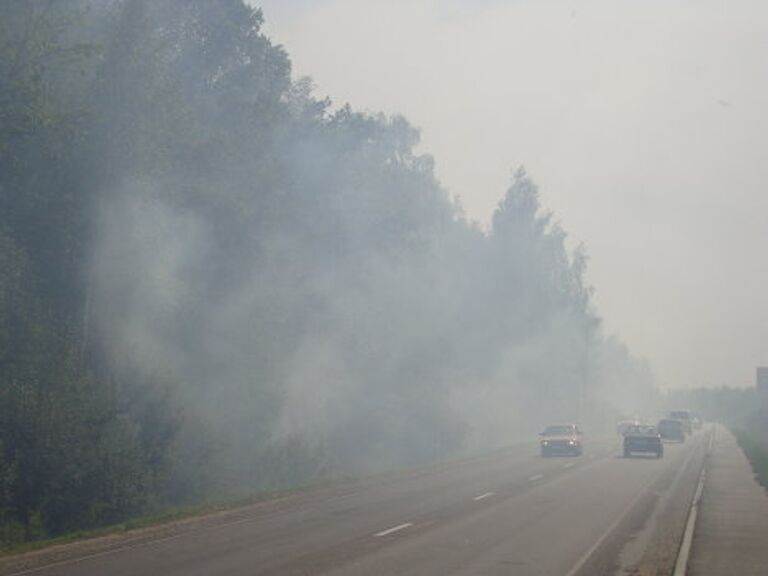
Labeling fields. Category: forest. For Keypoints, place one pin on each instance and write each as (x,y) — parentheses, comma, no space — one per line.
(214,281)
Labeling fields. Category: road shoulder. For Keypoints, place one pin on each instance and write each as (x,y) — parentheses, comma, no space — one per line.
(731,535)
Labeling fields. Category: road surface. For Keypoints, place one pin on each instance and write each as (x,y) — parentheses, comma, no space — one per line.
(508,512)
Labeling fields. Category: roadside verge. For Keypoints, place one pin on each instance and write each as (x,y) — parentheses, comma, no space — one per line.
(731,535)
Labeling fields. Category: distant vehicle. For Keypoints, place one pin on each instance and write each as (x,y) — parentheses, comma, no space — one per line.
(643,439)
(685,417)
(624,425)
(672,429)
(561,439)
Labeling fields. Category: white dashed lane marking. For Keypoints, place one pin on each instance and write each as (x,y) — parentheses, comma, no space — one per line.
(484,496)
(394,529)
(536,477)
(568,464)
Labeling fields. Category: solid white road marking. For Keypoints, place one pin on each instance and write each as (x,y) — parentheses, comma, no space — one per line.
(484,496)
(394,529)
(536,477)
(568,465)
(588,554)
(681,566)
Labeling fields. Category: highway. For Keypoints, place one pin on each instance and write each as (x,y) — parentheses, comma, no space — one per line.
(506,512)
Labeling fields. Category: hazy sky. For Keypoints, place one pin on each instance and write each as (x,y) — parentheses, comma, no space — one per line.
(644,123)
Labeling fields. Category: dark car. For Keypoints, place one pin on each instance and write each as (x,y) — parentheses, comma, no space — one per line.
(672,430)
(561,439)
(643,439)
(685,417)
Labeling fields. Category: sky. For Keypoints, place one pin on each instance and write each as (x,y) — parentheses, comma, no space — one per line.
(644,124)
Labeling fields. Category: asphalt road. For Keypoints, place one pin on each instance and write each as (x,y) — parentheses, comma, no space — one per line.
(509,512)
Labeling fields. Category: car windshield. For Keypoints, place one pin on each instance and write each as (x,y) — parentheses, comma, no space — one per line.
(559,431)
(668,424)
(642,431)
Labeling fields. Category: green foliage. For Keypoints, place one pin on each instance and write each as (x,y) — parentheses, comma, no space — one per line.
(211,282)
(734,407)
(756,452)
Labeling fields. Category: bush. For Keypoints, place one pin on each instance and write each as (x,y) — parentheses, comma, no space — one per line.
(757,454)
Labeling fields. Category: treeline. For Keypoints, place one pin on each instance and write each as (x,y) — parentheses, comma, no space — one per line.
(740,409)
(733,407)
(743,410)
(212,281)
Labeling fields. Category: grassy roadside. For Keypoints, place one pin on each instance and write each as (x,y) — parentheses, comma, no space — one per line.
(178,514)
(213,506)
(757,454)
(169,516)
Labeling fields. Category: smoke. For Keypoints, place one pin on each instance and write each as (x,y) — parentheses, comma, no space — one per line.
(297,290)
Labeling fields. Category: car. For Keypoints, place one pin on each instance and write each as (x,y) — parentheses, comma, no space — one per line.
(671,429)
(685,417)
(624,425)
(561,439)
(643,439)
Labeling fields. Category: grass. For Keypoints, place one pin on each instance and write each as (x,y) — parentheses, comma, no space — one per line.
(168,516)
(757,454)
(132,524)
(177,514)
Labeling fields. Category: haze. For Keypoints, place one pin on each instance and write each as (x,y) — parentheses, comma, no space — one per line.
(641,122)
(315,296)
(226,285)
